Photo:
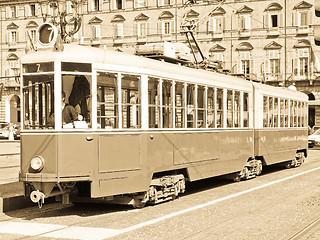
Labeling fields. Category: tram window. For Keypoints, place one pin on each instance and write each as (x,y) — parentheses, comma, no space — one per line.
(38,95)
(77,94)
(282,112)
(201,107)
(180,105)
(191,106)
(286,114)
(295,114)
(299,113)
(236,109)
(245,110)
(276,112)
(131,112)
(219,108)
(305,114)
(210,107)
(38,67)
(229,108)
(154,102)
(271,119)
(291,114)
(167,104)
(107,100)
(265,111)
(76,67)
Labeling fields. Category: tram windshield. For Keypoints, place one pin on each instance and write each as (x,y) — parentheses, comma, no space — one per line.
(38,94)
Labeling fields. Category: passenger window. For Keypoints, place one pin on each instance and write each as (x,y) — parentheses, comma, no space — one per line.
(245,110)
(291,114)
(282,112)
(229,108)
(236,109)
(131,110)
(276,112)
(180,105)
(270,112)
(295,114)
(286,114)
(191,106)
(201,107)
(210,107)
(220,108)
(76,101)
(107,100)
(154,102)
(265,111)
(167,104)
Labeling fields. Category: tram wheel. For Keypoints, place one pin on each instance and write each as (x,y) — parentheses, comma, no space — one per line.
(259,168)
(138,203)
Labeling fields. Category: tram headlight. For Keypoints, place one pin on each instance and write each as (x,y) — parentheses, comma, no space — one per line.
(37,163)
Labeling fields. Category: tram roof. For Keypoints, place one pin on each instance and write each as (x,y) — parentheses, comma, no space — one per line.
(100,57)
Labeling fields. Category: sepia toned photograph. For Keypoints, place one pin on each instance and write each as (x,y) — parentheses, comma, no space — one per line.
(160,119)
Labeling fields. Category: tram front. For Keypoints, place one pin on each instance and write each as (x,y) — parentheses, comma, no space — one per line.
(57,144)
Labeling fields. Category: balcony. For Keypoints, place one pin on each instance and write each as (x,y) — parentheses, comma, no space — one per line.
(273,32)
(302,30)
(244,33)
(217,35)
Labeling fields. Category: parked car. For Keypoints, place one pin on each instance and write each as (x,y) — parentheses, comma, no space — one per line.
(5,131)
(314,139)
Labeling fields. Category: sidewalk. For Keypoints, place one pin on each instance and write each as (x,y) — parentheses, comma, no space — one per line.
(11,190)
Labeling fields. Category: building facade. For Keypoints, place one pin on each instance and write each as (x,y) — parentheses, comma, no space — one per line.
(267,41)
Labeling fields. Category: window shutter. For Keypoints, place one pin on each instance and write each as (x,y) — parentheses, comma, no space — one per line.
(36,9)
(223,23)
(159,27)
(100,5)
(295,66)
(8,12)
(172,26)
(266,66)
(265,20)
(147,29)
(294,17)
(135,28)
(309,18)
(211,22)
(281,20)
(248,22)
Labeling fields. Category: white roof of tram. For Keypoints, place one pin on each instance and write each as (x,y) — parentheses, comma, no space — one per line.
(103,59)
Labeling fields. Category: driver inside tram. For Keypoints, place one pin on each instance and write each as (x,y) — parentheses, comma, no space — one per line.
(69,113)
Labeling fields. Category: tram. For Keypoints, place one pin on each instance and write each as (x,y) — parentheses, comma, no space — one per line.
(145,127)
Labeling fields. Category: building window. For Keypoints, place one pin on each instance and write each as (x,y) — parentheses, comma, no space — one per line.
(245,22)
(117,4)
(165,2)
(273,16)
(217,57)
(166,27)
(12,37)
(96,5)
(13,68)
(301,63)
(272,65)
(12,12)
(245,62)
(141,29)
(96,31)
(140,3)
(216,24)
(32,34)
(118,30)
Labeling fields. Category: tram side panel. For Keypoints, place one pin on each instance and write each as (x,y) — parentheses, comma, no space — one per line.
(276,145)
(127,162)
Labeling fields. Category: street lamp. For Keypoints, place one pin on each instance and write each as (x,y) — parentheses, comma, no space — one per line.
(55,12)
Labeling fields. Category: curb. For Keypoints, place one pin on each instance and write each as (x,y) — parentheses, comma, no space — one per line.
(12,197)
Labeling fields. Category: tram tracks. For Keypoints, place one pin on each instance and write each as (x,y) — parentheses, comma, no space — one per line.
(306,230)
